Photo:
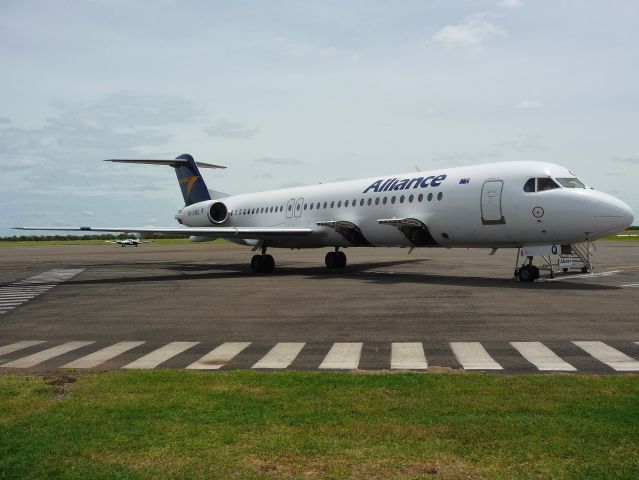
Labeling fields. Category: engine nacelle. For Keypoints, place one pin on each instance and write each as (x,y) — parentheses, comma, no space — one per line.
(204,214)
(218,213)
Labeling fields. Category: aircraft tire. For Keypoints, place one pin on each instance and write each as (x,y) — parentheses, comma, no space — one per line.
(268,263)
(257,265)
(331,260)
(526,274)
(341,259)
(535,272)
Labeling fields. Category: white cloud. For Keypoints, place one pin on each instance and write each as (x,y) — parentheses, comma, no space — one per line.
(511,4)
(629,158)
(528,105)
(472,32)
(18,164)
(227,129)
(273,159)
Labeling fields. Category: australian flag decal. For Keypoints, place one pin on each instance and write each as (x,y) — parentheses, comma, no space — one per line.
(464,181)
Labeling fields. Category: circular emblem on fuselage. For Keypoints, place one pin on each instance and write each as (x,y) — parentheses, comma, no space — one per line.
(538,212)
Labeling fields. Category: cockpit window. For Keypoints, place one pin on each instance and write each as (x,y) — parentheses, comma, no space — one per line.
(572,182)
(546,184)
(529,186)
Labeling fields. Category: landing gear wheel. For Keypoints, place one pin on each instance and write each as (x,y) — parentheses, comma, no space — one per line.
(262,264)
(268,263)
(526,273)
(335,260)
(331,260)
(535,272)
(257,264)
(565,270)
(584,269)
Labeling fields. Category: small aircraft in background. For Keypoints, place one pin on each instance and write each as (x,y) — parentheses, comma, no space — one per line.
(132,242)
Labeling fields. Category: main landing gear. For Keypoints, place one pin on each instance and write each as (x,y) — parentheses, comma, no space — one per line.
(335,259)
(262,263)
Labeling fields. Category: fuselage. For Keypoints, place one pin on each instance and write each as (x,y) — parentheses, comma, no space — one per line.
(509,204)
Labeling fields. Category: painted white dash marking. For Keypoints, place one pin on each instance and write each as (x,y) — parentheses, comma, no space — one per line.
(94,359)
(612,357)
(542,357)
(631,285)
(14,347)
(160,355)
(280,356)
(343,356)
(44,355)
(408,356)
(219,356)
(473,356)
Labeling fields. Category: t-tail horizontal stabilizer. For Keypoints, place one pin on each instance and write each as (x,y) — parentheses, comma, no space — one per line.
(192,184)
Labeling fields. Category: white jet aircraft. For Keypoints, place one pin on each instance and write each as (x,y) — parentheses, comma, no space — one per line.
(541,209)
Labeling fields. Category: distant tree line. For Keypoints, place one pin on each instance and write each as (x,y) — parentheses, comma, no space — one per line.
(108,236)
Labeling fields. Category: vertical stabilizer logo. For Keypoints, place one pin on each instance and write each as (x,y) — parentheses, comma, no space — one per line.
(190,181)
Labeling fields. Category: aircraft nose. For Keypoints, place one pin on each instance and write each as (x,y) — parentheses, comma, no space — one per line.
(612,215)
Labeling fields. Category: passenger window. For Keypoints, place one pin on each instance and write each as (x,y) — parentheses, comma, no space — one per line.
(440,195)
(384,200)
(312,206)
(401,199)
(305,205)
(393,199)
(420,197)
(430,197)
(546,184)
(346,203)
(339,204)
(354,202)
(361,202)
(370,200)
(377,201)
(529,186)
(325,205)
(333,204)
(410,198)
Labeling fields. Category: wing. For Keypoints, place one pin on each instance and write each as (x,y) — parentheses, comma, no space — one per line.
(258,233)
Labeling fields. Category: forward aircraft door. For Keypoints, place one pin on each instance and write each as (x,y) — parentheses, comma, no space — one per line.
(491,213)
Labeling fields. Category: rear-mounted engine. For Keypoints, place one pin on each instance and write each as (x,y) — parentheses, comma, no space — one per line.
(218,213)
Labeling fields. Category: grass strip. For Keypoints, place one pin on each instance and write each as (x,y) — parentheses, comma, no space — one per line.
(245,425)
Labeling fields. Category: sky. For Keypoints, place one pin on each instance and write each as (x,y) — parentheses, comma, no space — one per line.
(294,93)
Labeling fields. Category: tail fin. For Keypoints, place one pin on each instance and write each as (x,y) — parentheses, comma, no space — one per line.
(191,182)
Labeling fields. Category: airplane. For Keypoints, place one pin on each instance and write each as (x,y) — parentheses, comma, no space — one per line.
(540,209)
(128,242)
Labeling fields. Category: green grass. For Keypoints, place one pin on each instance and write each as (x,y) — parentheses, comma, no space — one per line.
(158,242)
(244,425)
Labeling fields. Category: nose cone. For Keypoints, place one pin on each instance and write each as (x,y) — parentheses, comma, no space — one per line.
(611,214)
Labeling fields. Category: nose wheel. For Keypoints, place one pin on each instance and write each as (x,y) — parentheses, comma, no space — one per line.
(528,273)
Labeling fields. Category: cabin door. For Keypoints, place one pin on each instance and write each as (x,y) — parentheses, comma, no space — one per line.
(491,213)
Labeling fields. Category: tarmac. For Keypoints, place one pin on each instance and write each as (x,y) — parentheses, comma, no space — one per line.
(198,306)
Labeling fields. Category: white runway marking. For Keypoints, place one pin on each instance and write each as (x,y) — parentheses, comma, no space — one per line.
(631,285)
(17,293)
(14,347)
(473,356)
(542,357)
(162,354)
(219,356)
(408,356)
(101,356)
(612,357)
(343,356)
(583,275)
(280,356)
(44,355)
